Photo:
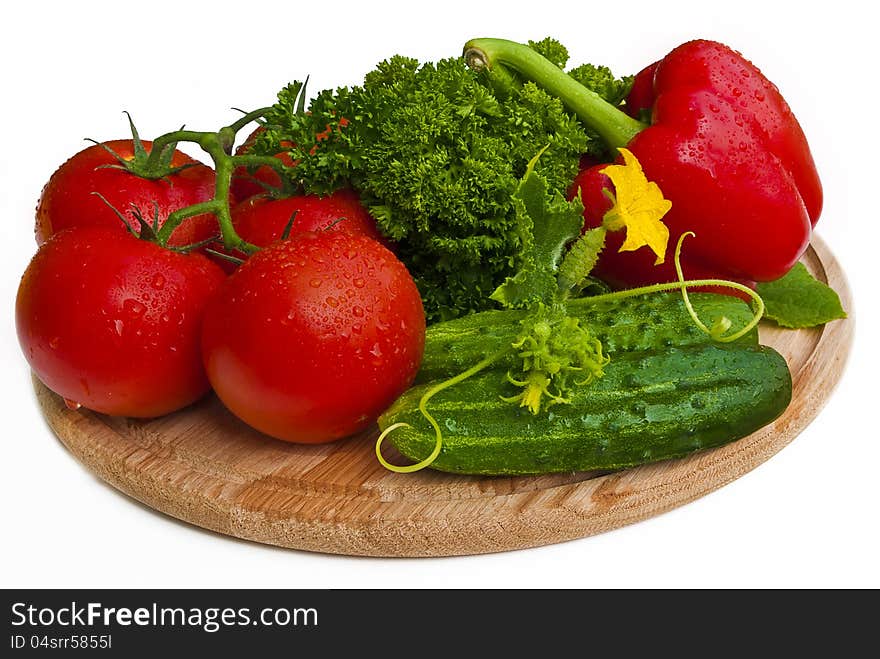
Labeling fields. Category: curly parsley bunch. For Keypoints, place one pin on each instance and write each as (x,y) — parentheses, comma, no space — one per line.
(436,152)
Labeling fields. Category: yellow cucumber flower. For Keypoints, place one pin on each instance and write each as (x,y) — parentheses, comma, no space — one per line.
(639,206)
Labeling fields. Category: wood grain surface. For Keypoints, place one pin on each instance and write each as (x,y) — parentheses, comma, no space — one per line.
(203,466)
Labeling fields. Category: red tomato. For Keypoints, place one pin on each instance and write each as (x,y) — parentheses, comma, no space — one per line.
(261,220)
(112,322)
(313,337)
(67,199)
(247,183)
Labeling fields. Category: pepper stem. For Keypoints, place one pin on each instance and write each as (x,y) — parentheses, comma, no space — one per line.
(614,126)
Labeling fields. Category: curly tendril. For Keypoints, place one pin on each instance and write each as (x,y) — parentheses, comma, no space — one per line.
(423,402)
(717,331)
(719,325)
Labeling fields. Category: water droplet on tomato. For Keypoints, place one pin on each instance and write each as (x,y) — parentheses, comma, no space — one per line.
(357,311)
(315,282)
(72,404)
(54,342)
(382,323)
(358,282)
(158,281)
(332,301)
(118,326)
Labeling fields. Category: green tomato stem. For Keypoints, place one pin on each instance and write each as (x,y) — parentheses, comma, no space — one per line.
(218,145)
(247,118)
(175,218)
(258,161)
(170,139)
(614,126)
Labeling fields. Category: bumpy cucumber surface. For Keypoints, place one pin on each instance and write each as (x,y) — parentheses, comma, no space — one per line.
(643,322)
(649,406)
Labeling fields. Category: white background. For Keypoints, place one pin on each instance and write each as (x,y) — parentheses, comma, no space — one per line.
(806,518)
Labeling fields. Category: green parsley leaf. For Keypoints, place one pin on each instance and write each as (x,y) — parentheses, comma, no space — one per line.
(602,81)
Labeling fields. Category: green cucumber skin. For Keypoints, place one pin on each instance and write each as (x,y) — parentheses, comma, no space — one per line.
(642,322)
(649,406)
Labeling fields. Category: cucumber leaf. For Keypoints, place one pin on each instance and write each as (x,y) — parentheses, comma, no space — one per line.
(798,300)
(546,223)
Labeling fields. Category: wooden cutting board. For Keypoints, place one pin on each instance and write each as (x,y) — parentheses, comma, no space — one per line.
(203,466)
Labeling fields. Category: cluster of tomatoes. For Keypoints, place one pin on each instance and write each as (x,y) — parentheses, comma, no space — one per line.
(308,340)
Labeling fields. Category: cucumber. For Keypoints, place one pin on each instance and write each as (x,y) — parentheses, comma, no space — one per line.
(649,406)
(642,322)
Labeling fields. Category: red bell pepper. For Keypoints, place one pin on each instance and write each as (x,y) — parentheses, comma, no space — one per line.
(722,144)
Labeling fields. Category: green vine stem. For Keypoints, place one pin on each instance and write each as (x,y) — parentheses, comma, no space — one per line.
(423,402)
(218,145)
(721,325)
(718,333)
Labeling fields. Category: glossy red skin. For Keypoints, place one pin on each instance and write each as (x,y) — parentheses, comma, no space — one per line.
(725,148)
(314,336)
(67,200)
(261,220)
(641,94)
(636,268)
(246,183)
(112,322)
